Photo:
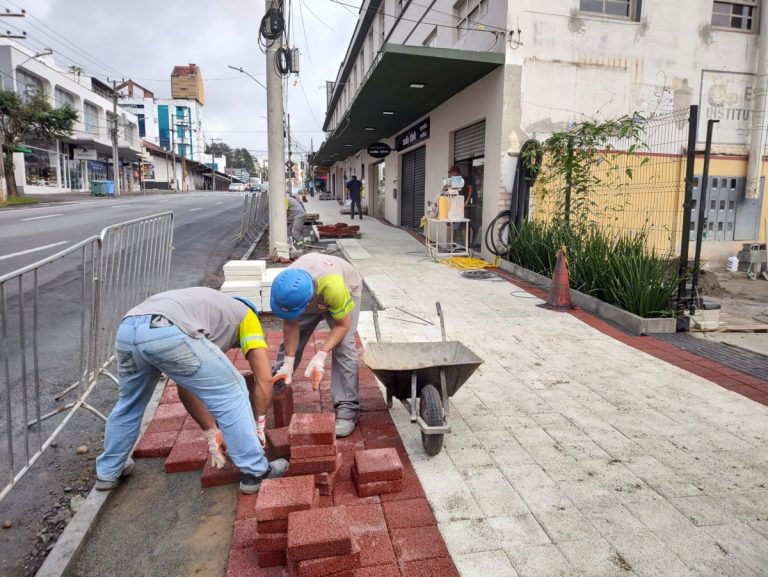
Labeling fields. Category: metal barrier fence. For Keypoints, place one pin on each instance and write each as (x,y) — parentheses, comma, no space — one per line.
(50,338)
(255,218)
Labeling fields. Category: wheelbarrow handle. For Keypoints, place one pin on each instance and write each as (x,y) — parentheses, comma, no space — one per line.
(442,321)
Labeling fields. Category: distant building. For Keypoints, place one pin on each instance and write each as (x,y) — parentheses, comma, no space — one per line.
(74,162)
(187,83)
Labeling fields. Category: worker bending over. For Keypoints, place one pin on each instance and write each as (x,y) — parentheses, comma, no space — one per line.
(184,334)
(296,215)
(313,288)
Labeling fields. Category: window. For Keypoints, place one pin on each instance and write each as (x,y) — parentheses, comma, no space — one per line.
(736,15)
(62,98)
(27,83)
(621,8)
(461,10)
(467,14)
(91,118)
(142,125)
(431,38)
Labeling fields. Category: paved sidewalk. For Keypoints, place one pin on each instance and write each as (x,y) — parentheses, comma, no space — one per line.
(572,453)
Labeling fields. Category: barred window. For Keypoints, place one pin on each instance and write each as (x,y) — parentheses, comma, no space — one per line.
(620,8)
(736,15)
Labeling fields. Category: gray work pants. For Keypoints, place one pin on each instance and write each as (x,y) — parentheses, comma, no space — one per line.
(345,367)
(297,227)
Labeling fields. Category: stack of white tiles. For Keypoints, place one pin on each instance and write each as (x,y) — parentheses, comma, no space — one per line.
(243,278)
(266,287)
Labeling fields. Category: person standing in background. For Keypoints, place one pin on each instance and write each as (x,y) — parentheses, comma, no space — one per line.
(354,187)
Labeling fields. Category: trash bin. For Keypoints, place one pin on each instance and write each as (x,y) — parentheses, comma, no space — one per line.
(98,187)
(109,187)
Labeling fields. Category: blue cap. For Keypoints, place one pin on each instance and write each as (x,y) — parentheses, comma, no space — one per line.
(292,290)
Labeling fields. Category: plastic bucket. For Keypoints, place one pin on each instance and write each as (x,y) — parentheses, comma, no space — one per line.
(733,264)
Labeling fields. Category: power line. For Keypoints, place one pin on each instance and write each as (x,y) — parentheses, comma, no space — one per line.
(309,106)
(318,17)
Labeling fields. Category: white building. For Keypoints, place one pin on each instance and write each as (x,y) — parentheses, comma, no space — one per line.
(74,162)
(469,82)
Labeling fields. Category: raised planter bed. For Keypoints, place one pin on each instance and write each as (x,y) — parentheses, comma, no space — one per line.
(629,322)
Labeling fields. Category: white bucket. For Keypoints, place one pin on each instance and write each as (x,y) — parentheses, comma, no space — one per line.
(733,264)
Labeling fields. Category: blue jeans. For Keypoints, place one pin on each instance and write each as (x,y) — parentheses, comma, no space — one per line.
(355,203)
(197,365)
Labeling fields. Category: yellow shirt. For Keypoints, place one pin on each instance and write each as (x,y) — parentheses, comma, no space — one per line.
(251,334)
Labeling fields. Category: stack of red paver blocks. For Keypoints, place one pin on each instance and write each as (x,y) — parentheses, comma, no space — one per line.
(278,421)
(377,472)
(321,543)
(314,451)
(277,499)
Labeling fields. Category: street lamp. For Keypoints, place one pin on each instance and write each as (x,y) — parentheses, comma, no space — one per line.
(240,69)
(46,52)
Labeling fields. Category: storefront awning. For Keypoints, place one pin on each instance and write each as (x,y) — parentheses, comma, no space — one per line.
(407,81)
(19,148)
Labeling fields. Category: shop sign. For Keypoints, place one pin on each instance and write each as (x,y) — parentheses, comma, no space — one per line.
(414,135)
(379,150)
(322,169)
(97,165)
(85,154)
(729,98)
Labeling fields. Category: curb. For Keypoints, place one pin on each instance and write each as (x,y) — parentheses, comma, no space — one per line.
(64,553)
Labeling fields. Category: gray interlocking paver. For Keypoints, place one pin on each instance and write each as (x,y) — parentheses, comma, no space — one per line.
(633,466)
(468,536)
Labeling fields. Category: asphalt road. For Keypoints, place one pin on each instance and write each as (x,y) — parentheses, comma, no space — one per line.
(205,227)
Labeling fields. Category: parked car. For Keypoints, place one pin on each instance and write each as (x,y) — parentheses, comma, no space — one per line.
(237,187)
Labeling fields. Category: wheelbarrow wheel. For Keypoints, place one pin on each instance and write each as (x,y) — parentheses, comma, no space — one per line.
(431,410)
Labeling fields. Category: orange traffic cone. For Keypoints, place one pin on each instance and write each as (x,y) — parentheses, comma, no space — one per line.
(560,289)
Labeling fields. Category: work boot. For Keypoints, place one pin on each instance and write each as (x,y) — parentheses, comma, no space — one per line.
(251,484)
(102,485)
(344,428)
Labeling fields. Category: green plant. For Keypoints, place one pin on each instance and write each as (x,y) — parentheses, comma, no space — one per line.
(17,200)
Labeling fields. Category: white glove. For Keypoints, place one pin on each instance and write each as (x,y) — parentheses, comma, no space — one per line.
(285,372)
(316,368)
(261,423)
(216,447)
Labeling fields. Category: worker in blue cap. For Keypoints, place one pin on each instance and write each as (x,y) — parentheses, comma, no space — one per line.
(184,334)
(316,287)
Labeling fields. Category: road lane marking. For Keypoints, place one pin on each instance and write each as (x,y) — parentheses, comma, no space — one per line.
(222,202)
(41,217)
(194,209)
(39,248)
(119,205)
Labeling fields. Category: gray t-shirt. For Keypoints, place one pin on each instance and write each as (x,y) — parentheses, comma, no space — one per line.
(199,312)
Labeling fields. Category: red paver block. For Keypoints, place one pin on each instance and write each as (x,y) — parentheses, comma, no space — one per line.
(314,465)
(373,404)
(282,406)
(278,446)
(241,561)
(411,488)
(377,465)
(381,417)
(278,497)
(271,542)
(373,431)
(168,417)
(319,533)
(276,526)
(191,425)
(170,394)
(244,533)
(378,571)
(187,457)
(153,445)
(311,451)
(312,429)
(213,477)
(326,478)
(408,514)
(326,565)
(443,567)
(270,558)
(377,549)
(378,487)
(418,543)
(246,506)
(346,494)
(366,519)
(326,501)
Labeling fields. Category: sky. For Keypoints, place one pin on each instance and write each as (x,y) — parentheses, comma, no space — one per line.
(144,40)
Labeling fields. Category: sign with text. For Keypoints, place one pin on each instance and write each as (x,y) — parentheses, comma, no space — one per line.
(414,135)
(84,154)
(729,98)
(378,150)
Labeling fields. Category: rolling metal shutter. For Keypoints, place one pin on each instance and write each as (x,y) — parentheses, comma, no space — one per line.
(469,142)
(412,193)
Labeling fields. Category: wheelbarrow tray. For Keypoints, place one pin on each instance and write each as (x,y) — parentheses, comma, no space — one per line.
(394,363)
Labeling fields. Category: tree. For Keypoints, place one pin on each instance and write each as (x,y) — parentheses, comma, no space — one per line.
(218,149)
(241,158)
(25,115)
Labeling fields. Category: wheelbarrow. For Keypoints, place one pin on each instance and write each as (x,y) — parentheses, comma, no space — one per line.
(430,372)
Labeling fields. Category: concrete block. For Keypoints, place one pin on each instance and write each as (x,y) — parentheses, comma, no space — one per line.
(213,477)
(186,457)
(443,567)
(270,542)
(311,451)
(271,558)
(154,445)
(408,514)
(378,487)
(518,531)
(168,417)
(493,563)
(468,536)
(282,406)
(246,506)
(241,561)
(647,555)
(594,557)
(346,494)
(279,497)
(314,465)
(376,547)
(244,533)
(276,526)
(312,429)
(366,519)
(539,560)
(170,394)
(278,446)
(329,565)
(377,465)
(378,571)
(319,533)
(418,543)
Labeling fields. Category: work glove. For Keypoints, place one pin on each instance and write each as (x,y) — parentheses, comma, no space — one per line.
(261,423)
(316,368)
(216,447)
(285,373)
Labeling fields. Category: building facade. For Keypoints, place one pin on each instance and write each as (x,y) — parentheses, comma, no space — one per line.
(468,83)
(72,163)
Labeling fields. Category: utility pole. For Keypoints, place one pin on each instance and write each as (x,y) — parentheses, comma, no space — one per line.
(278,220)
(115,156)
(213,161)
(173,149)
(3,182)
(289,166)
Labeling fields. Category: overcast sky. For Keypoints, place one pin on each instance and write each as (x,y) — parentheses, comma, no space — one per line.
(144,39)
